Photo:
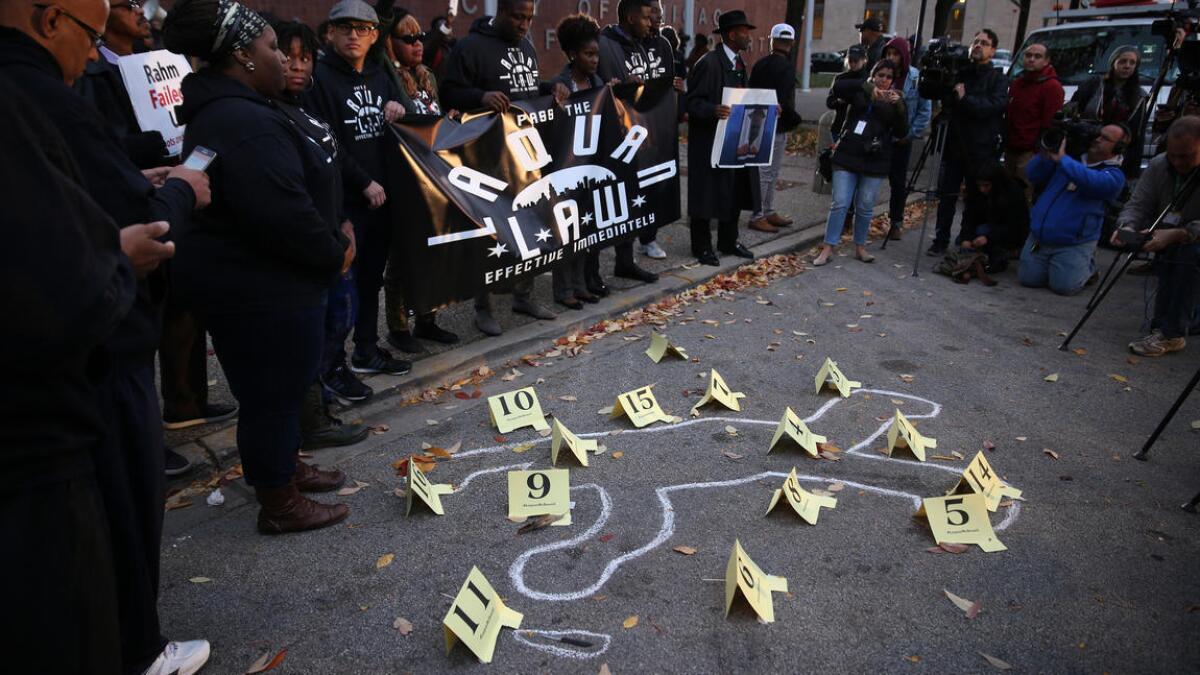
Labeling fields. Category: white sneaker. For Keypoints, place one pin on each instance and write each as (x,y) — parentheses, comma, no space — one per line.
(181,658)
(652,250)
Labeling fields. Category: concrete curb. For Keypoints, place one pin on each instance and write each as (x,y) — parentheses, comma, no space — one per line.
(221,445)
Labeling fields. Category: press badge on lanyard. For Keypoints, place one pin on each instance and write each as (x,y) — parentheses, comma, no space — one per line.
(860,127)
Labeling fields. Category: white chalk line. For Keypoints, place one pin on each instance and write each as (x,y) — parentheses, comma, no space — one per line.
(563,651)
(510,467)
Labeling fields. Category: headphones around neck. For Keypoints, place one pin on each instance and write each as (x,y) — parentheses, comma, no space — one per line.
(1122,145)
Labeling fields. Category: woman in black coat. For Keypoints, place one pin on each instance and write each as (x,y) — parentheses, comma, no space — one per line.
(862,155)
(259,262)
(1116,97)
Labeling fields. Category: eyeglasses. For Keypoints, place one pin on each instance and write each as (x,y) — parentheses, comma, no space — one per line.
(411,39)
(96,38)
(132,5)
(359,29)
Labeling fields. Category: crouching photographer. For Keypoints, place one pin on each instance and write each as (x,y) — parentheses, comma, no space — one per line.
(1068,216)
(1176,240)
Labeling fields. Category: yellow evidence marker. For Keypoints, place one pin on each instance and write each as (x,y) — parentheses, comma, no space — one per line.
(719,391)
(791,426)
(429,493)
(476,617)
(579,447)
(832,375)
(960,519)
(741,574)
(660,346)
(517,409)
(903,434)
(641,407)
(980,477)
(540,493)
(804,503)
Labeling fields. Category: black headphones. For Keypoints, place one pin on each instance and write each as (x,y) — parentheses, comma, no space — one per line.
(1122,145)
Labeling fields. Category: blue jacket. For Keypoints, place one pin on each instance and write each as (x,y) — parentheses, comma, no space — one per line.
(919,109)
(1071,207)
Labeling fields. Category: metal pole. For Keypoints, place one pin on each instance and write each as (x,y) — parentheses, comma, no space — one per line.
(893,23)
(689,18)
(1145,451)
(920,25)
(807,65)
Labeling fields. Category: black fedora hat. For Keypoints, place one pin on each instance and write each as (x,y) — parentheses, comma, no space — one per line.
(732,19)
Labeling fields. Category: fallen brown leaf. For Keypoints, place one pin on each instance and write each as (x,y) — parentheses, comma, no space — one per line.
(970,607)
(266,662)
(384,560)
(618,454)
(199,580)
(1052,454)
(538,523)
(630,622)
(733,455)
(403,625)
(347,491)
(686,550)
(996,663)
(830,456)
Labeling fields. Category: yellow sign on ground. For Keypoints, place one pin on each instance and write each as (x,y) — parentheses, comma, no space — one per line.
(960,519)
(641,407)
(832,375)
(980,477)
(516,409)
(429,493)
(805,503)
(903,434)
(791,426)
(476,617)
(719,391)
(660,346)
(540,493)
(578,446)
(756,586)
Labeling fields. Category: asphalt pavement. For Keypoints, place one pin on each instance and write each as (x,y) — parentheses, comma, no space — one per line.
(1095,577)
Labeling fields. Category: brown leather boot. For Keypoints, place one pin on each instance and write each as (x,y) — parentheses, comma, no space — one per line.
(311,479)
(763,226)
(779,220)
(284,509)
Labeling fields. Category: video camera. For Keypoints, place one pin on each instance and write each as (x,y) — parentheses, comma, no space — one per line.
(941,69)
(1188,53)
(1078,134)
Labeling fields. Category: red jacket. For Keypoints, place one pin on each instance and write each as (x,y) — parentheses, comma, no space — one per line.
(1033,98)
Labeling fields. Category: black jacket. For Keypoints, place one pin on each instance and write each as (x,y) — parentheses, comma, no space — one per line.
(868,151)
(976,126)
(107,174)
(1003,218)
(714,193)
(103,85)
(660,58)
(351,103)
(1096,99)
(66,287)
(483,61)
(620,56)
(271,237)
(837,105)
(775,71)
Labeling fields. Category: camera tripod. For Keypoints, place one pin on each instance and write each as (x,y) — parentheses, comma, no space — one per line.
(928,150)
(1124,259)
(935,145)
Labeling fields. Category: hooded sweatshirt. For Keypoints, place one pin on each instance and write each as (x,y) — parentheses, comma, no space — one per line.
(660,58)
(1033,98)
(271,238)
(919,109)
(621,56)
(485,61)
(351,103)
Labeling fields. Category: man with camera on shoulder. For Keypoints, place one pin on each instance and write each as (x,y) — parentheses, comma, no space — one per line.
(1175,241)
(1068,216)
(976,109)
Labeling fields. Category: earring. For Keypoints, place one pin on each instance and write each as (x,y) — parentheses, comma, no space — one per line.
(250,66)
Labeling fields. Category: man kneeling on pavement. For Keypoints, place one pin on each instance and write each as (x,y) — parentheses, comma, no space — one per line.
(1176,240)
(1068,216)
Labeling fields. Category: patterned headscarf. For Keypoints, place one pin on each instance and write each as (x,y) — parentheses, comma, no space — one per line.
(237,27)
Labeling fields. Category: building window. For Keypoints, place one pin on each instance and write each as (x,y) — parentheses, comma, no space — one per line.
(879,10)
(818,19)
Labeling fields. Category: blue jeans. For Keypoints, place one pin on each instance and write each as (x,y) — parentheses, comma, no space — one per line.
(340,313)
(1065,269)
(862,190)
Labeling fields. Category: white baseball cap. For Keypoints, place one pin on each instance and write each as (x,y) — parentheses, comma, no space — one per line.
(783,31)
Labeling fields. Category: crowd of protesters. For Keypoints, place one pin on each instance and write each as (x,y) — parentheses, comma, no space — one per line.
(119,255)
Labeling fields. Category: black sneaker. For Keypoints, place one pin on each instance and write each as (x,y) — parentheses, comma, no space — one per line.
(176,464)
(342,383)
(378,361)
(405,342)
(216,412)
(428,330)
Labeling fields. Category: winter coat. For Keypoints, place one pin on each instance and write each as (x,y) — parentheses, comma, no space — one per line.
(837,105)
(660,58)
(775,71)
(1154,191)
(437,54)
(714,193)
(1003,218)
(351,104)
(1070,209)
(484,61)
(103,85)
(919,109)
(271,237)
(882,125)
(1096,99)
(1033,99)
(107,174)
(620,56)
(977,121)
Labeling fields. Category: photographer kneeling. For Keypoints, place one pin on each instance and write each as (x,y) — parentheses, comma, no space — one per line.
(1176,240)
(1066,220)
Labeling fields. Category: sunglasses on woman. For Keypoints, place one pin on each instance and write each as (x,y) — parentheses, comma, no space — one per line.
(412,39)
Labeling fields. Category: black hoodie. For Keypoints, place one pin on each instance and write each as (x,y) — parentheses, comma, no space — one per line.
(351,103)
(484,61)
(621,56)
(660,58)
(271,237)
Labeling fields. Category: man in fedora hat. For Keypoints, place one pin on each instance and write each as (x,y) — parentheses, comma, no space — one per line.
(716,193)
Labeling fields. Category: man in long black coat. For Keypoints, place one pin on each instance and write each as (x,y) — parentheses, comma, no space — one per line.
(715,193)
